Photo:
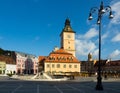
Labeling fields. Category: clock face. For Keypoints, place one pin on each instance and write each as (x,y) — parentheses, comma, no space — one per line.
(68,36)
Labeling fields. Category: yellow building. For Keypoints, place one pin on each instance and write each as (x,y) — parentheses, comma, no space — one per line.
(2,67)
(61,62)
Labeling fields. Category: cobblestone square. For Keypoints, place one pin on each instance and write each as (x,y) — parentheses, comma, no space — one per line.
(57,87)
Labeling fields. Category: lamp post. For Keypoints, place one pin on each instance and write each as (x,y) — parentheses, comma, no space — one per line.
(101,10)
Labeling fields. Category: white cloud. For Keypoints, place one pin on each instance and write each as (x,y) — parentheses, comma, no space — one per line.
(83,47)
(116,10)
(115,54)
(116,38)
(90,34)
(95,52)
(104,36)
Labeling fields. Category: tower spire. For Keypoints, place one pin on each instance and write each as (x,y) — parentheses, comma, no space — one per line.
(67,22)
(67,26)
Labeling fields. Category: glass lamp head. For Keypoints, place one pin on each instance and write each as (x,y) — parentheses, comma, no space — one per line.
(90,17)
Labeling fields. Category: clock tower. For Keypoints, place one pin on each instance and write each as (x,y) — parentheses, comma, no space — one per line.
(68,38)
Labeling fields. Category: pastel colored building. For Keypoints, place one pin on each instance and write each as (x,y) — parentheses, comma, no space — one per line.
(10,69)
(2,67)
(26,63)
(8,64)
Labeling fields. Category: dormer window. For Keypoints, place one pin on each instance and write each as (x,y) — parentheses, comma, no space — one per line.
(64,58)
(71,58)
(67,58)
(58,58)
(50,58)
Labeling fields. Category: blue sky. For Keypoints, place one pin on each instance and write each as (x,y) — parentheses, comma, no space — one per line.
(34,26)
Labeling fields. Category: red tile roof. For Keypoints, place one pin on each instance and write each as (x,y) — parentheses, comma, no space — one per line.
(41,58)
(113,63)
(61,56)
(7,59)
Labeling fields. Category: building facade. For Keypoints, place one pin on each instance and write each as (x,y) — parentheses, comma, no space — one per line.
(10,69)
(8,64)
(2,67)
(87,67)
(61,62)
(26,63)
(111,68)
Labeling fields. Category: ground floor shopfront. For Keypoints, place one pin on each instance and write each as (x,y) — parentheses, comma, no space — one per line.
(27,71)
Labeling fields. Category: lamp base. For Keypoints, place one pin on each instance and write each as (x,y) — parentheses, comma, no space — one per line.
(99,83)
(99,87)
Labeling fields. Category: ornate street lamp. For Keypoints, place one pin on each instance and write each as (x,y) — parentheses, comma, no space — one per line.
(101,10)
